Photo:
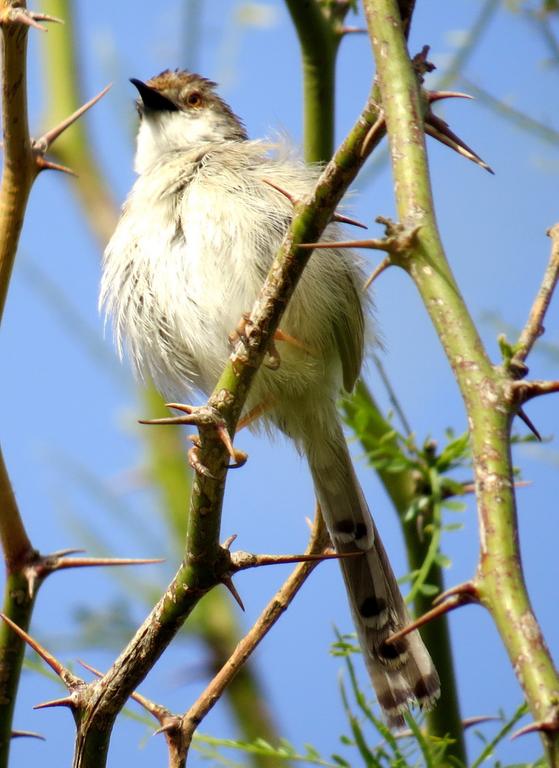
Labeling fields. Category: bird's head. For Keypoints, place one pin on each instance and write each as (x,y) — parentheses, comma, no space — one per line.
(179,110)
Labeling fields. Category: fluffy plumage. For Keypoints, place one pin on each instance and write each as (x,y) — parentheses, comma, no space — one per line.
(196,238)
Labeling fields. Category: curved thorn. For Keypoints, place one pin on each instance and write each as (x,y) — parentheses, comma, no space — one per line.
(64,552)
(174,724)
(282,191)
(375,134)
(27,734)
(228,541)
(466,588)
(469,722)
(433,96)
(384,264)
(540,726)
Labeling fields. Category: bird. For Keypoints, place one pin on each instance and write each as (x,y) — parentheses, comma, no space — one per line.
(195,240)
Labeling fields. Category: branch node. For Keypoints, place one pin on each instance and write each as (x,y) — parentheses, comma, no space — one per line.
(27,18)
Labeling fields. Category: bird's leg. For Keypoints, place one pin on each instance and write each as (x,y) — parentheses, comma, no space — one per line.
(273,359)
(255,413)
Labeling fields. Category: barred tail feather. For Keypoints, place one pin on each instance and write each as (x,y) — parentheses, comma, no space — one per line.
(402,673)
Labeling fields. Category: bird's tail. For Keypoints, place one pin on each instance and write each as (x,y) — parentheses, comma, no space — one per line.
(402,673)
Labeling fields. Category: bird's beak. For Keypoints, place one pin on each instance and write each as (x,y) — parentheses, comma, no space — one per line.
(152,98)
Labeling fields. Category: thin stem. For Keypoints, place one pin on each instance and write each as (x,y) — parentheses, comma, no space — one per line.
(17,177)
(319,43)
(534,326)
(276,607)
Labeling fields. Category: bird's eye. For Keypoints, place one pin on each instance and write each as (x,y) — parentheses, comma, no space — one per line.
(194,99)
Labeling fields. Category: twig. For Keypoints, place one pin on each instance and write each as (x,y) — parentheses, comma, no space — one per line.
(318,543)
(534,326)
(392,396)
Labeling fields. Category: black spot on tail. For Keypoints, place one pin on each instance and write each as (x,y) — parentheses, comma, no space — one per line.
(391,653)
(372,606)
(344,526)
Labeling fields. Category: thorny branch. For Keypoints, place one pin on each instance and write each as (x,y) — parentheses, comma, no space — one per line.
(485,388)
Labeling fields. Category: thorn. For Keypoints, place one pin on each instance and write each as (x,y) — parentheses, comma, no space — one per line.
(540,726)
(521,413)
(227,581)
(384,264)
(27,734)
(346,220)
(228,541)
(42,144)
(438,129)
(335,216)
(87,562)
(53,663)
(375,134)
(239,457)
(202,417)
(89,668)
(469,722)
(48,165)
(282,191)
(352,31)
(66,701)
(466,588)
(173,724)
(376,245)
(243,561)
(64,552)
(28,18)
(433,96)
(450,604)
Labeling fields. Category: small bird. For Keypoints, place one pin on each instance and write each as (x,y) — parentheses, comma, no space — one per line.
(194,243)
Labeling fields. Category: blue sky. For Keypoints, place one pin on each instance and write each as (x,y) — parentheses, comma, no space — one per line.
(69,408)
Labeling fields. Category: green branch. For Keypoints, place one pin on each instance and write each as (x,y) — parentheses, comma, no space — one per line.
(319,120)
(485,389)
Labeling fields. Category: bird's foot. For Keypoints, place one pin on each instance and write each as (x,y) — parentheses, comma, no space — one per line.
(204,417)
